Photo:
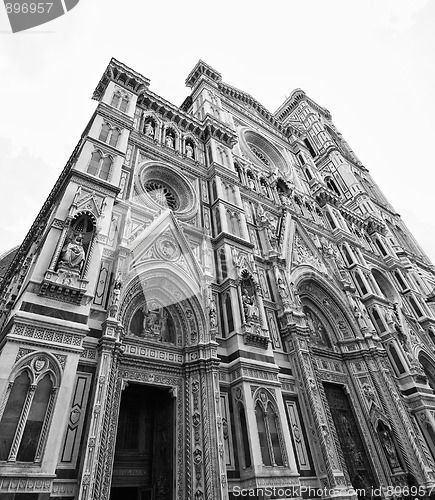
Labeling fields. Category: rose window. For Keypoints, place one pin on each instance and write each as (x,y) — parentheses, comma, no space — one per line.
(162,195)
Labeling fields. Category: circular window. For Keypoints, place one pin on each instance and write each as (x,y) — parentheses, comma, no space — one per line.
(261,151)
(162,195)
(160,186)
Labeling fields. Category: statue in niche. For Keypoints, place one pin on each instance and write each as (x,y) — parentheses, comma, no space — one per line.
(251,183)
(282,290)
(388,314)
(396,318)
(250,307)
(389,448)
(189,150)
(116,293)
(169,140)
(213,314)
(72,255)
(149,129)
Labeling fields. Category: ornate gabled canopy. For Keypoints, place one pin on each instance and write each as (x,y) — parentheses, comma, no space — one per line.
(122,75)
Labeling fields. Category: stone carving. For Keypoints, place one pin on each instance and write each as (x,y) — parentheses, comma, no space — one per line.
(250,307)
(169,141)
(213,314)
(149,129)
(72,255)
(302,255)
(389,448)
(189,151)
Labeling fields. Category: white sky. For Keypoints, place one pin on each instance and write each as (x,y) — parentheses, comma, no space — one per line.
(370,62)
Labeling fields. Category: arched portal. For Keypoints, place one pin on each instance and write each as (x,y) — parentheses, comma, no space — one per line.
(161,313)
(330,326)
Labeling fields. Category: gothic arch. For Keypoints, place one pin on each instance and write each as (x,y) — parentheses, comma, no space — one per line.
(164,289)
(327,298)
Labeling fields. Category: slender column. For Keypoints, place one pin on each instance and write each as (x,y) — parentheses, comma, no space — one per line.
(90,481)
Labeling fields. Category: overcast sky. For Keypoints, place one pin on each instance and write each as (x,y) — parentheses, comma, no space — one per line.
(370,63)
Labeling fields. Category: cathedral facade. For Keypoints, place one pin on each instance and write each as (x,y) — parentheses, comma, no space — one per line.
(214,302)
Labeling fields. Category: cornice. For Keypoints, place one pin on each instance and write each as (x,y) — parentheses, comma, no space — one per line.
(98,184)
(296,97)
(202,69)
(123,76)
(150,100)
(235,94)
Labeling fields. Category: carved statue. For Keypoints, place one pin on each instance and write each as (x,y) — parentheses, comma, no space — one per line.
(213,314)
(169,141)
(396,317)
(189,151)
(73,254)
(149,129)
(250,307)
(116,293)
(389,448)
(388,315)
(282,290)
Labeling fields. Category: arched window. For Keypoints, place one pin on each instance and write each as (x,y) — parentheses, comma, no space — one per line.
(100,166)
(308,174)
(114,137)
(360,283)
(12,412)
(105,168)
(27,411)
(310,148)
(381,247)
(400,280)
(268,428)
(415,307)
(94,164)
(115,99)
(105,129)
(332,185)
(124,104)
(397,362)
(347,256)
(378,321)
(35,420)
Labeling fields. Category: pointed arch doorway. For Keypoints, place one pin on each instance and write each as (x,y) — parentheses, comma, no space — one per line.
(144,452)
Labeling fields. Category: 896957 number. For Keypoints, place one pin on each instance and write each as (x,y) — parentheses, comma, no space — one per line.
(28,8)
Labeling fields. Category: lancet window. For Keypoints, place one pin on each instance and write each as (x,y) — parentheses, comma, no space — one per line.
(100,165)
(269,431)
(28,407)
